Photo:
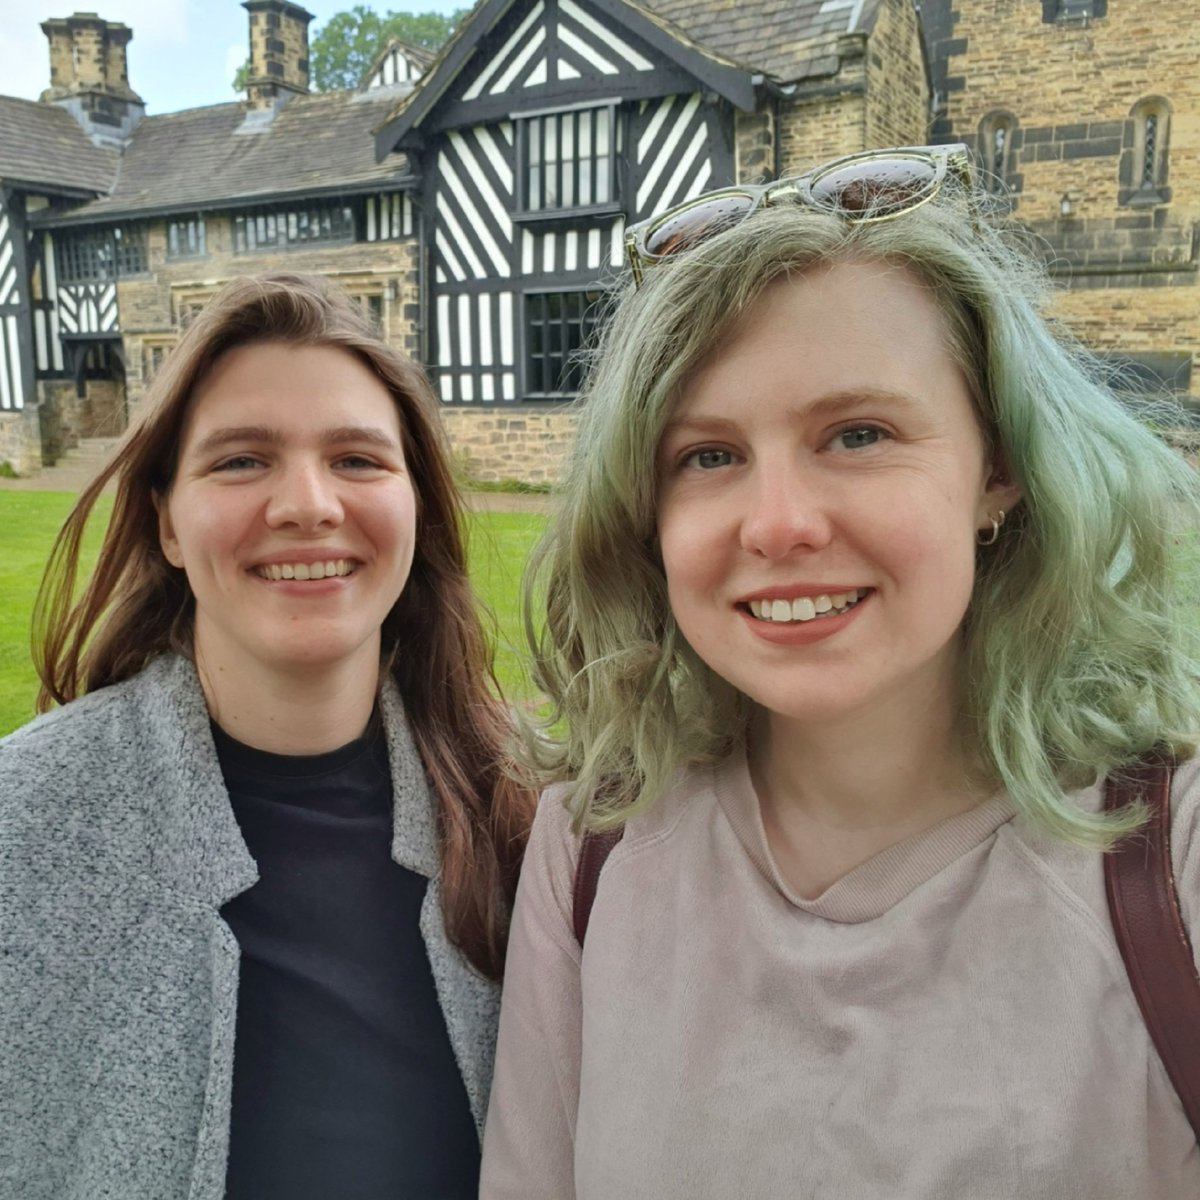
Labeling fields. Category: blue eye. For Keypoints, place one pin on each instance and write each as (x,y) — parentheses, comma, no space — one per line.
(859,437)
(707,460)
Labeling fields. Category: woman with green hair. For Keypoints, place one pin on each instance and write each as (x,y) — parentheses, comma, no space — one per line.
(861,584)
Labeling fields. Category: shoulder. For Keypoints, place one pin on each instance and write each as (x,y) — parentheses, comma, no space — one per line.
(555,840)
(107,742)
(93,726)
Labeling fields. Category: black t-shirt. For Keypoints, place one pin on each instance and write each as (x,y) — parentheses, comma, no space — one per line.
(344,1080)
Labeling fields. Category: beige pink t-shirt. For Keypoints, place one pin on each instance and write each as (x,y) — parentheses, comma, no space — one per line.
(950,1020)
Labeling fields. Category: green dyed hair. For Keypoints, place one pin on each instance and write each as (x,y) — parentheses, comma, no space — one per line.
(1077,645)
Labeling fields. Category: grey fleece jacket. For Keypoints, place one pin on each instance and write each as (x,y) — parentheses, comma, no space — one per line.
(118,979)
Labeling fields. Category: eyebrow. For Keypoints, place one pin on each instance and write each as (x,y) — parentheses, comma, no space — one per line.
(264,435)
(829,405)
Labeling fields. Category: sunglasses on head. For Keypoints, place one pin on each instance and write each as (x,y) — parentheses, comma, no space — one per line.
(875,185)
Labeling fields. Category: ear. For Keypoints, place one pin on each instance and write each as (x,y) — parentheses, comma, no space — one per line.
(166,530)
(1000,495)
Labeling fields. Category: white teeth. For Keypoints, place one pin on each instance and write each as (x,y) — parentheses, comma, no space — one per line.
(806,608)
(318,570)
(803,609)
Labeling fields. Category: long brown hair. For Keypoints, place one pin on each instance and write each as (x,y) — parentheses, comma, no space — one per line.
(135,605)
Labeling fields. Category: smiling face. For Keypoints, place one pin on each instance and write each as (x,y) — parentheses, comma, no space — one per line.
(822,480)
(291,511)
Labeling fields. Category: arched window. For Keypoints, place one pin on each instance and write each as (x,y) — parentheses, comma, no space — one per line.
(1144,161)
(997,153)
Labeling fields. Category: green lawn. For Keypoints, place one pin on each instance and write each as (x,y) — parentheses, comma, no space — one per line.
(500,544)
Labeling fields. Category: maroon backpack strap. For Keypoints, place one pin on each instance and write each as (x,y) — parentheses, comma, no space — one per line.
(594,850)
(1150,930)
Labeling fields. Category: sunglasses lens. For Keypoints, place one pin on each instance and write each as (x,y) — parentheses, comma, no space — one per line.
(693,225)
(875,188)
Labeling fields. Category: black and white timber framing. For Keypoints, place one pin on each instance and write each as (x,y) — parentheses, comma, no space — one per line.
(543,130)
(16,372)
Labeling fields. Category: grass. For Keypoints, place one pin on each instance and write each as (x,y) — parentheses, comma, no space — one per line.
(500,544)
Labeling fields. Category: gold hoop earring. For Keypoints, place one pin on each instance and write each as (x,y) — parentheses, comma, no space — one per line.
(992,537)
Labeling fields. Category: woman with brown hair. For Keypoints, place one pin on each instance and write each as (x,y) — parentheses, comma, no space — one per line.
(255,873)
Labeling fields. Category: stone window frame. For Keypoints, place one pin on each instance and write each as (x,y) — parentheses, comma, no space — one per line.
(580,313)
(541,137)
(1005,182)
(187,302)
(372,303)
(1073,10)
(190,231)
(1145,154)
(155,348)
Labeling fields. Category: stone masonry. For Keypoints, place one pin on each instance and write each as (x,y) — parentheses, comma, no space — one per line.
(1077,90)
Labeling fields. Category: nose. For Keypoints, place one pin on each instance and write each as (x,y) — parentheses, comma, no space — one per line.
(305,497)
(785,509)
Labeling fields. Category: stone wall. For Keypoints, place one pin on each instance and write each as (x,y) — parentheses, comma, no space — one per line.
(1125,255)
(155,308)
(57,419)
(100,411)
(826,119)
(754,146)
(524,442)
(897,101)
(20,440)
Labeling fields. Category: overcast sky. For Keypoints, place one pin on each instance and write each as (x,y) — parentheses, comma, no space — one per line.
(184,53)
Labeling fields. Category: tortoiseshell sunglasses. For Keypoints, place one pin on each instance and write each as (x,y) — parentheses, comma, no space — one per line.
(875,185)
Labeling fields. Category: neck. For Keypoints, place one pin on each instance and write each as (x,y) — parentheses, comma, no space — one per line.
(295,712)
(903,767)
(833,797)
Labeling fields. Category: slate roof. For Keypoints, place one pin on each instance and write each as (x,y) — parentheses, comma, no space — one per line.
(788,40)
(207,158)
(43,144)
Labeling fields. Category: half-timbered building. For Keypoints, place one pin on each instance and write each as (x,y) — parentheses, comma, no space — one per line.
(545,127)
(475,202)
(476,205)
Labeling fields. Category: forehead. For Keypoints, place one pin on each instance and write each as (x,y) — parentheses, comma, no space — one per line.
(292,387)
(870,326)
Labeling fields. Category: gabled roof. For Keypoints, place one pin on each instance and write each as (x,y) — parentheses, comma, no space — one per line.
(711,68)
(786,40)
(417,55)
(727,44)
(43,144)
(221,156)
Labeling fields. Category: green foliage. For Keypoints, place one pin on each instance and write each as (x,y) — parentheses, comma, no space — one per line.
(7,471)
(346,46)
(499,545)
(242,77)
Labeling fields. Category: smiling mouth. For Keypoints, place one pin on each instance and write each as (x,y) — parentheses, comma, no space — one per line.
(332,568)
(804,608)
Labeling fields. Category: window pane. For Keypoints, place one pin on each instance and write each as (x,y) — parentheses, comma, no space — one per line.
(557,326)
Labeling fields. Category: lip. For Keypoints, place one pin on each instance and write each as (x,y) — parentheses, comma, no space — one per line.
(800,633)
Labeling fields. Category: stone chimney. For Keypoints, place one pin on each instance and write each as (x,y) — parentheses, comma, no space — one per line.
(278,52)
(89,76)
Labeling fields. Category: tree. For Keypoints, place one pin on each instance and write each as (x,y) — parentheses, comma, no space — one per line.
(346,46)
(242,78)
